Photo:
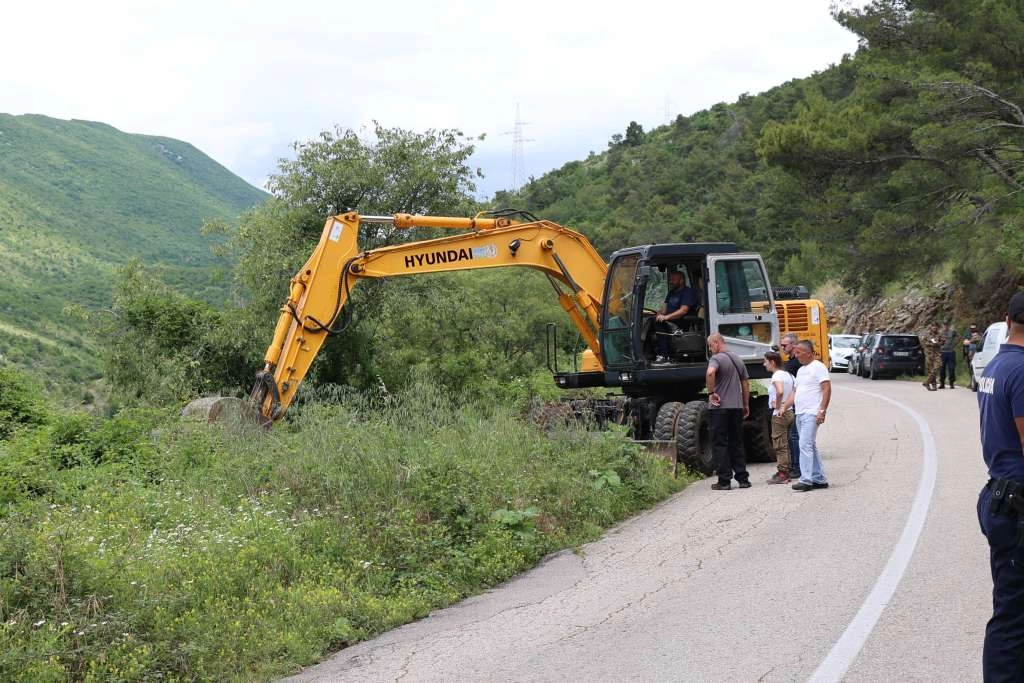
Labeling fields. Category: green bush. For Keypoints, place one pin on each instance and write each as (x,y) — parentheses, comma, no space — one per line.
(21,403)
(141,550)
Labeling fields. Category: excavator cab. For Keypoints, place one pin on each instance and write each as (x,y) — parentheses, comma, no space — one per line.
(733,297)
(640,353)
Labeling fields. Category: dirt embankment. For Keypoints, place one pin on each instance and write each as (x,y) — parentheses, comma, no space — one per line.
(981,303)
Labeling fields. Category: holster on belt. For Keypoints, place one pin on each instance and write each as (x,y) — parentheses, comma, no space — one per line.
(1008,499)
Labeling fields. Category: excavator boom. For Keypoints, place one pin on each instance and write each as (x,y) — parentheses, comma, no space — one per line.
(319,292)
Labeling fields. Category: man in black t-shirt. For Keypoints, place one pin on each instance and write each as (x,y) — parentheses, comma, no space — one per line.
(792,366)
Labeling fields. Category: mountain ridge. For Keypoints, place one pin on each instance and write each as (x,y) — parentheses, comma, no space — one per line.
(80,199)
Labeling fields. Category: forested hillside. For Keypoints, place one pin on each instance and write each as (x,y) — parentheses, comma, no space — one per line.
(80,199)
(901,159)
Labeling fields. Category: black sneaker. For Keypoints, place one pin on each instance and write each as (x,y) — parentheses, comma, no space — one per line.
(820,485)
(744,484)
(719,486)
(800,486)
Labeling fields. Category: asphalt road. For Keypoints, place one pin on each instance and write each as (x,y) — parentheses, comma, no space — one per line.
(881,577)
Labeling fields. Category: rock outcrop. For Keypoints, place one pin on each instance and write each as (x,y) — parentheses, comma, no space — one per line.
(912,311)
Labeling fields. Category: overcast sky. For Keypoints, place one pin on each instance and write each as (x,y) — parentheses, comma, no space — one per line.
(244,80)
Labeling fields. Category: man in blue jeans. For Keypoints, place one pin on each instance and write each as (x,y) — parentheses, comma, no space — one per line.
(811,395)
(792,365)
(1001,502)
(947,352)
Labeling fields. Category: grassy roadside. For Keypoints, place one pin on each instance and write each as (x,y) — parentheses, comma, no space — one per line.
(963,377)
(143,548)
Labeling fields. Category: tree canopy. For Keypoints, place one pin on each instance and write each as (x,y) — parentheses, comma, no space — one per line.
(473,332)
(895,160)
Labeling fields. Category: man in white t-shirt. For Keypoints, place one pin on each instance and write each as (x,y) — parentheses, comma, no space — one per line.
(811,395)
(778,391)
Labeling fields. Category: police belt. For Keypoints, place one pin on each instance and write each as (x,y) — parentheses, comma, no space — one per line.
(1007,497)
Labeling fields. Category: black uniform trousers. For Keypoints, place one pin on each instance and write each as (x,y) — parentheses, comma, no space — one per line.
(948,368)
(1003,657)
(727,444)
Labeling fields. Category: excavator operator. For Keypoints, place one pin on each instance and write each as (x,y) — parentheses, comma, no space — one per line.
(681,300)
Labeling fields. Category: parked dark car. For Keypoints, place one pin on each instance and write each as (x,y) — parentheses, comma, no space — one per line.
(891,354)
(858,354)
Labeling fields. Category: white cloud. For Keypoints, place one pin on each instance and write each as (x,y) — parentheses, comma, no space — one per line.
(242,80)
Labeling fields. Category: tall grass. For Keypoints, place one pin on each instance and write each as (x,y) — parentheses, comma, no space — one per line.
(144,548)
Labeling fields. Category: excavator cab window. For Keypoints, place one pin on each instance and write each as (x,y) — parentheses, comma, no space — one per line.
(741,287)
(619,313)
(742,309)
(657,288)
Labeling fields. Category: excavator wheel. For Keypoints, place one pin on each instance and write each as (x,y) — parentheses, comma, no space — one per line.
(666,434)
(665,425)
(693,437)
(222,409)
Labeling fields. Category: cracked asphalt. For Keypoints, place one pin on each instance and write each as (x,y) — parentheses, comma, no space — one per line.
(741,585)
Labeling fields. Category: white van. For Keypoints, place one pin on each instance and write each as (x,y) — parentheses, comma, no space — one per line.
(995,335)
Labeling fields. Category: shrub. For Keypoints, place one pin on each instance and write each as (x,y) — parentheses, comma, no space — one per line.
(21,403)
(216,553)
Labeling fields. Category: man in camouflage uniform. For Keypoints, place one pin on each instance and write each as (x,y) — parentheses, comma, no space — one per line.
(931,342)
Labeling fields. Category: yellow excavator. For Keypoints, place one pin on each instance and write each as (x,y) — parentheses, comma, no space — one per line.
(658,366)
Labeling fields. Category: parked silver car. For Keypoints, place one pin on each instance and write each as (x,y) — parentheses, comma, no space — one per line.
(840,348)
(865,342)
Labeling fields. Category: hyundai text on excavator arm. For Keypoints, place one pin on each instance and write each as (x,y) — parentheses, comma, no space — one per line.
(659,367)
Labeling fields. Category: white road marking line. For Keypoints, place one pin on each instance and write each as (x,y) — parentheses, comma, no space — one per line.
(848,647)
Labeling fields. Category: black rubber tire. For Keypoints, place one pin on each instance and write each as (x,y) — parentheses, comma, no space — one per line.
(668,418)
(757,432)
(693,437)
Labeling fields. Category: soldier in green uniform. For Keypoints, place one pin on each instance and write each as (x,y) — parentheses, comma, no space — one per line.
(932,342)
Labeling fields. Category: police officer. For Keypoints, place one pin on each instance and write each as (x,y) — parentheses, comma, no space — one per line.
(1001,503)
